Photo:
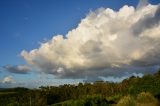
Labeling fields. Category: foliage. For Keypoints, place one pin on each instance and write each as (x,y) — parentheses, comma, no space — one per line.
(145,98)
(126,101)
(96,100)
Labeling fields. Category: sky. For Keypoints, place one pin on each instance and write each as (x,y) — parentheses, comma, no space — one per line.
(55,42)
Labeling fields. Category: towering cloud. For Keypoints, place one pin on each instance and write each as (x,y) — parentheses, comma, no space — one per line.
(105,43)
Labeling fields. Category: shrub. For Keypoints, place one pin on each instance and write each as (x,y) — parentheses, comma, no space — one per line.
(96,100)
(145,98)
(126,101)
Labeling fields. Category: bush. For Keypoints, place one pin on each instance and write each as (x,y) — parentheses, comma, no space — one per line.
(145,98)
(126,101)
(73,103)
(96,100)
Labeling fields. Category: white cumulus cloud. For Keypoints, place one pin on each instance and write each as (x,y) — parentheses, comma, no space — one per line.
(105,43)
(8,80)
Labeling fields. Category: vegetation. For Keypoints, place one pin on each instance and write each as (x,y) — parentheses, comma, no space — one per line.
(126,101)
(133,91)
(146,99)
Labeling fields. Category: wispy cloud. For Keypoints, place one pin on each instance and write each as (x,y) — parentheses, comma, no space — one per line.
(105,43)
(142,3)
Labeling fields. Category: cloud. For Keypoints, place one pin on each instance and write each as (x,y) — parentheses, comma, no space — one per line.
(8,80)
(147,22)
(18,69)
(105,43)
(142,3)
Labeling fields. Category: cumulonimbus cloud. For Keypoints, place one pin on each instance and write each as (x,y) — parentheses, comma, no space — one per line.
(105,43)
(18,69)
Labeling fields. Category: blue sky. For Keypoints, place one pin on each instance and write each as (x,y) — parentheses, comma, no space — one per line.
(26,23)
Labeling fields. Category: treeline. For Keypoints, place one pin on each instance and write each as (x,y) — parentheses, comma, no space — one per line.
(87,94)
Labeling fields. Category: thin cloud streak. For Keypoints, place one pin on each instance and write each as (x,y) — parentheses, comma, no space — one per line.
(18,69)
